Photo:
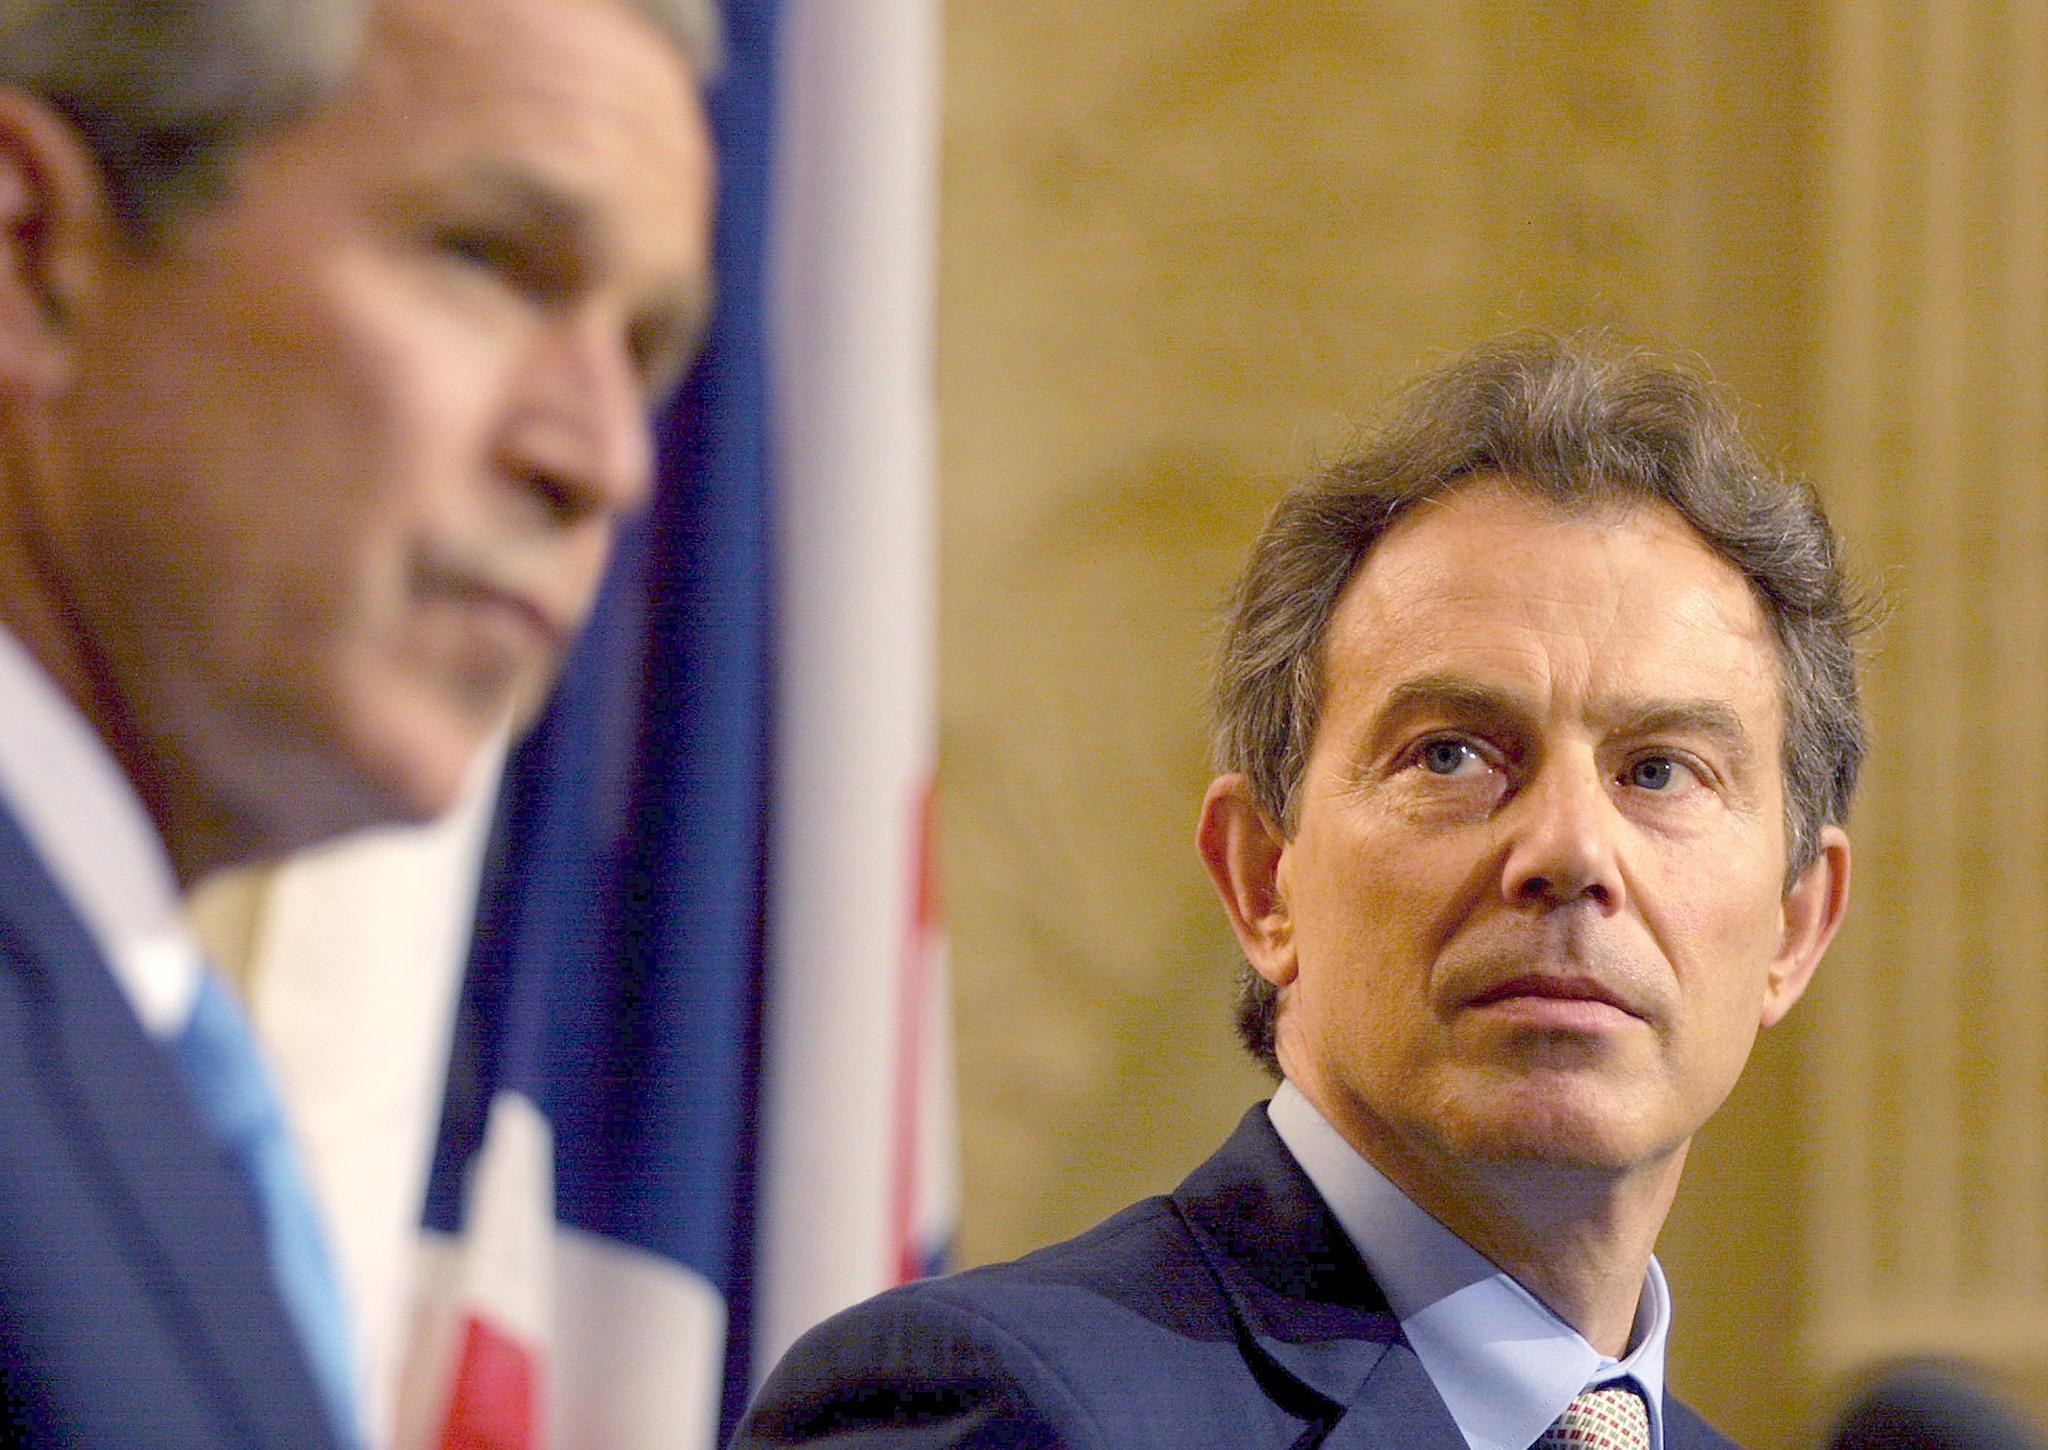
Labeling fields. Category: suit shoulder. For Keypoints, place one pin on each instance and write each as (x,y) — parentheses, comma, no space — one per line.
(1140,1264)
(1149,1236)
(1686,1429)
(1110,1338)
(926,1366)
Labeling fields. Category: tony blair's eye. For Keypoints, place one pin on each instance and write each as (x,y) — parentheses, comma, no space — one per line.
(1656,773)
(1447,757)
(1451,775)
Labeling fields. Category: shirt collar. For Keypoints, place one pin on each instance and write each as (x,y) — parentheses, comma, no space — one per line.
(79,811)
(1505,1365)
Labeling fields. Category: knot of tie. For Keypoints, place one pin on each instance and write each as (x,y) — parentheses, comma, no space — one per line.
(1613,1417)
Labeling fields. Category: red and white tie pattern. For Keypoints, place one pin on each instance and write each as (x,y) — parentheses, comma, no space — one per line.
(1612,1418)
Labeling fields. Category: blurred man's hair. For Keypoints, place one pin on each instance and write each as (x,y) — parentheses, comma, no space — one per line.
(165,91)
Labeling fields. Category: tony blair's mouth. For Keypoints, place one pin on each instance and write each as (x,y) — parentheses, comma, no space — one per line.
(1561,1001)
(1553,986)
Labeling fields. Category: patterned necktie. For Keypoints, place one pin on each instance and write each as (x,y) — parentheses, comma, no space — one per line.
(1612,1417)
(240,1109)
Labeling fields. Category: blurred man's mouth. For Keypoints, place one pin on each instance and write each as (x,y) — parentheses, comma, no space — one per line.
(521,618)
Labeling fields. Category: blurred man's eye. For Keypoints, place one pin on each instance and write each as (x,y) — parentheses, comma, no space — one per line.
(509,258)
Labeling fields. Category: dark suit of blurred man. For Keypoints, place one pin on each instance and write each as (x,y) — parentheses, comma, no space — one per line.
(327,336)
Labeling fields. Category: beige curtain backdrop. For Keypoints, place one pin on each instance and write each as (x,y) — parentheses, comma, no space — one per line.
(1186,245)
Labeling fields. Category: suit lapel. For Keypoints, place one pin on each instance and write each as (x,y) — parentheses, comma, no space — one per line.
(182,1219)
(1313,1322)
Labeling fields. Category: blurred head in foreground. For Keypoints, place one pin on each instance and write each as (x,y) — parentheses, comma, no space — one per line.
(328,335)
(1933,1404)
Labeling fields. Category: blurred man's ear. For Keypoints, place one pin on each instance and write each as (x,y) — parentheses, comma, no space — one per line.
(1813,912)
(1246,856)
(53,219)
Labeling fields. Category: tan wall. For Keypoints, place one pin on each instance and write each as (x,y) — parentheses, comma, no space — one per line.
(1185,244)
(1929,1171)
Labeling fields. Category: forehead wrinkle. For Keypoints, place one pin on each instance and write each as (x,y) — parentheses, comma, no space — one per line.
(423,58)
(1534,640)
(1416,594)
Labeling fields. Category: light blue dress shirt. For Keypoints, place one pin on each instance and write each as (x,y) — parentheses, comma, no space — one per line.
(1505,1365)
(85,821)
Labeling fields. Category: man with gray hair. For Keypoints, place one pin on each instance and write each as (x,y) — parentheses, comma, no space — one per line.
(328,335)
(1537,727)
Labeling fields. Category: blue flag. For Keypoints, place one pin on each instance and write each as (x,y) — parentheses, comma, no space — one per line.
(615,979)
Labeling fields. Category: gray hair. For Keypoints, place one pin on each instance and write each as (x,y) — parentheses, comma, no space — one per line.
(1578,424)
(166,91)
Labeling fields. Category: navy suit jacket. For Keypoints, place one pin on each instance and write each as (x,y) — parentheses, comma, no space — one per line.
(1234,1313)
(136,1303)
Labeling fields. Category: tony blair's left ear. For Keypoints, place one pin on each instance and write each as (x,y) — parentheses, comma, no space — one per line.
(1245,854)
(1813,912)
(53,220)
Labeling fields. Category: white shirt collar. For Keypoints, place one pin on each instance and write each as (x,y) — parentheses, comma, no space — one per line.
(79,811)
(1505,1365)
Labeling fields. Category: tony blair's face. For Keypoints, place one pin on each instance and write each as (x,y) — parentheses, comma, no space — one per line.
(344,454)
(1534,905)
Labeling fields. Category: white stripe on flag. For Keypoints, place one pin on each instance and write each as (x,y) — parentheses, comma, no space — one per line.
(355,963)
(639,1349)
(851,323)
(522,1323)
(479,1348)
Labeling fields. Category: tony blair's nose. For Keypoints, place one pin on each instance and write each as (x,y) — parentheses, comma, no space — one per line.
(1564,846)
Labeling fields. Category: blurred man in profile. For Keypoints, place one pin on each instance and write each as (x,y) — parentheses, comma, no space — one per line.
(1537,722)
(328,334)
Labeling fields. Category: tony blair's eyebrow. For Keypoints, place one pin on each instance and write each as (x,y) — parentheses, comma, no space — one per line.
(1716,721)
(1454,699)
(1461,700)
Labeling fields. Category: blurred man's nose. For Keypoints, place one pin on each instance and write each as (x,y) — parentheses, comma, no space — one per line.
(581,436)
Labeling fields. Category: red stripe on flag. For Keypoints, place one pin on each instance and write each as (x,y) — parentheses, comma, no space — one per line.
(913,998)
(496,1393)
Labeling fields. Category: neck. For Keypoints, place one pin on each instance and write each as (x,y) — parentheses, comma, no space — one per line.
(1578,1236)
(54,629)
